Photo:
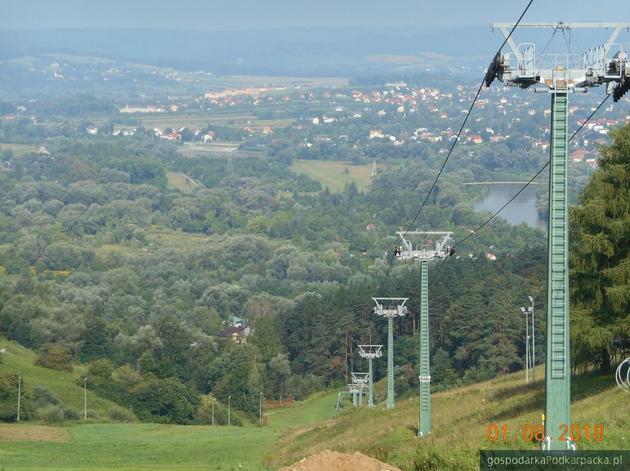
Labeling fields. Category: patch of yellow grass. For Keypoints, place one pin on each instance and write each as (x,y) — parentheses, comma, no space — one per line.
(33,433)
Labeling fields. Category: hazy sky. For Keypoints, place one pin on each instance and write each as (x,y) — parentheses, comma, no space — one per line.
(263,14)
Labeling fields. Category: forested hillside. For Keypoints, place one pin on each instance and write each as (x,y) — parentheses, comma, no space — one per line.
(105,263)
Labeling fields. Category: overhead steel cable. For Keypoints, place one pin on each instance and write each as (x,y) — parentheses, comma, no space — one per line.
(536,175)
(541,170)
(448,155)
(496,213)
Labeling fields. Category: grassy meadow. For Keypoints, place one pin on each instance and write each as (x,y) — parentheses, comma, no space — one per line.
(335,174)
(460,420)
(20,360)
(137,446)
(18,149)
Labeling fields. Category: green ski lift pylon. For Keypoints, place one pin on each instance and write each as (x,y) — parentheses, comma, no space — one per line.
(390,308)
(370,352)
(559,75)
(429,245)
(361,380)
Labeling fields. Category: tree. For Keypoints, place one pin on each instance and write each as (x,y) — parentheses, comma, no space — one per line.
(164,400)
(600,258)
(97,340)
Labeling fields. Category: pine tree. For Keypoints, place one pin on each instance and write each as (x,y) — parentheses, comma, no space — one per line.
(600,261)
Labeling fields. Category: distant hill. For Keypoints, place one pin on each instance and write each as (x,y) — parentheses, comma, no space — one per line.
(305,52)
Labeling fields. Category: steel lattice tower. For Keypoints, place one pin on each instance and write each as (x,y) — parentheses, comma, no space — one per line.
(361,381)
(390,308)
(424,252)
(560,78)
(370,352)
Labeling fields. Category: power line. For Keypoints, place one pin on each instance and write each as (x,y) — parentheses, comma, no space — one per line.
(448,155)
(496,213)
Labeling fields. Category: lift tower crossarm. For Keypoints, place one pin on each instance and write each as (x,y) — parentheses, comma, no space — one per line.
(505,29)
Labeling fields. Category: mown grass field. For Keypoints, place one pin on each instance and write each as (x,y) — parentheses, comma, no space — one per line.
(20,360)
(181,182)
(220,150)
(162,447)
(178,120)
(335,174)
(460,420)
(18,149)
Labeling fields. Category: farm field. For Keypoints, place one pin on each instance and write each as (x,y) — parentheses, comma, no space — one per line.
(219,149)
(181,182)
(156,446)
(178,120)
(18,149)
(335,174)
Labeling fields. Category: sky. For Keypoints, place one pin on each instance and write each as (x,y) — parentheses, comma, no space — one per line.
(221,15)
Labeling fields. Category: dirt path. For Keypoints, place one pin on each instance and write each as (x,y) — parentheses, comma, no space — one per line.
(334,461)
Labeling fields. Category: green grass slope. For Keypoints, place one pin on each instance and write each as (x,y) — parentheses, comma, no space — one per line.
(21,360)
(132,447)
(460,419)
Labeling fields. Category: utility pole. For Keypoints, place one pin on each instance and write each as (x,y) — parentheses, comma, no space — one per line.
(370,352)
(85,398)
(260,408)
(558,75)
(428,246)
(213,401)
(531,300)
(390,308)
(229,421)
(19,397)
(525,312)
(530,344)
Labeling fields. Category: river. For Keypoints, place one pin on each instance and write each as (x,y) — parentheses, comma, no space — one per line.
(522,209)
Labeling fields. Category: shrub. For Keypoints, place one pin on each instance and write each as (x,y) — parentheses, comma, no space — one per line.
(71,414)
(50,414)
(92,414)
(56,357)
(119,414)
(42,397)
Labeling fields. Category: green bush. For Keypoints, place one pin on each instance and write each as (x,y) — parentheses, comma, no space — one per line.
(42,397)
(56,357)
(92,414)
(71,414)
(50,414)
(99,369)
(119,414)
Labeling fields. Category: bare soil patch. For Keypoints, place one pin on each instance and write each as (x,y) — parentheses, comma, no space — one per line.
(36,433)
(334,461)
